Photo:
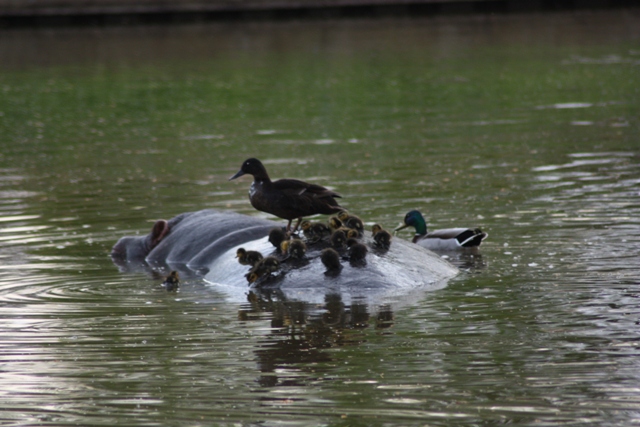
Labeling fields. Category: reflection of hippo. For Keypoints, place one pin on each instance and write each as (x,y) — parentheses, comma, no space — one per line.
(205,243)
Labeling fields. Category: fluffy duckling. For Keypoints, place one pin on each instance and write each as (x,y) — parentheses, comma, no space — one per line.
(357,251)
(381,237)
(172,281)
(265,267)
(296,248)
(314,232)
(338,239)
(277,236)
(351,221)
(248,257)
(331,259)
(335,223)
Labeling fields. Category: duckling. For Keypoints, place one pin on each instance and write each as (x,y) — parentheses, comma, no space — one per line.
(172,281)
(448,239)
(357,251)
(338,239)
(286,198)
(352,233)
(277,236)
(331,259)
(296,248)
(265,267)
(351,221)
(248,257)
(381,237)
(314,232)
(335,223)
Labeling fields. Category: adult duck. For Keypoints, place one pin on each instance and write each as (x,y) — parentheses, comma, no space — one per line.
(286,198)
(448,239)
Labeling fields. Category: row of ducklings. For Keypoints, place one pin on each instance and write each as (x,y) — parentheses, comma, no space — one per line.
(342,232)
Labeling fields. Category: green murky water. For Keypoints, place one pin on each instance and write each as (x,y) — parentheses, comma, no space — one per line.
(527,126)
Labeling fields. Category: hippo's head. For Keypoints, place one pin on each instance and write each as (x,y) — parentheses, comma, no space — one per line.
(136,248)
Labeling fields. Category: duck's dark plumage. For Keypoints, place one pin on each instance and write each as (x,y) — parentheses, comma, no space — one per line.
(286,198)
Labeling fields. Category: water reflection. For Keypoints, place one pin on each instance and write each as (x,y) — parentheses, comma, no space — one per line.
(300,333)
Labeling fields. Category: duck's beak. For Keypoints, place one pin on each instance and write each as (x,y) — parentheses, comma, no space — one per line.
(400,227)
(240,173)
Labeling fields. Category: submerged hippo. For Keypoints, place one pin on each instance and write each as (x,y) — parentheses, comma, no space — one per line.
(206,243)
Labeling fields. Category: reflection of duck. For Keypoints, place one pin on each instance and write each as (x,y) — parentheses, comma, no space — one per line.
(381,237)
(286,198)
(172,281)
(246,257)
(448,239)
(265,267)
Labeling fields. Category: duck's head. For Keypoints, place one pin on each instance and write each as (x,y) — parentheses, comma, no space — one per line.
(241,253)
(305,225)
(253,167)
(414,219)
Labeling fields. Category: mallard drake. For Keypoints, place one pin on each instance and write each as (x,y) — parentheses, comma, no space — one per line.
(265,267)
(172,281)
(246,257)
(381,237)
(331,259)
(286,198)
(448,239)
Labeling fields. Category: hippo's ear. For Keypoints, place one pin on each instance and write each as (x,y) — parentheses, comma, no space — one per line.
(158,232)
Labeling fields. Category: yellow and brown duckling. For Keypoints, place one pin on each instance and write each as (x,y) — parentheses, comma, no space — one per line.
(315,231)
(265,267)
(294,248)
(246,257)
(351,221)
(335,223)
(331,260)
(277,235)
(286,198)
(357,251)
(381,237)
(172,281)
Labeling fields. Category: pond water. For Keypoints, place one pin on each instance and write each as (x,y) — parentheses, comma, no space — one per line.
(524,125)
